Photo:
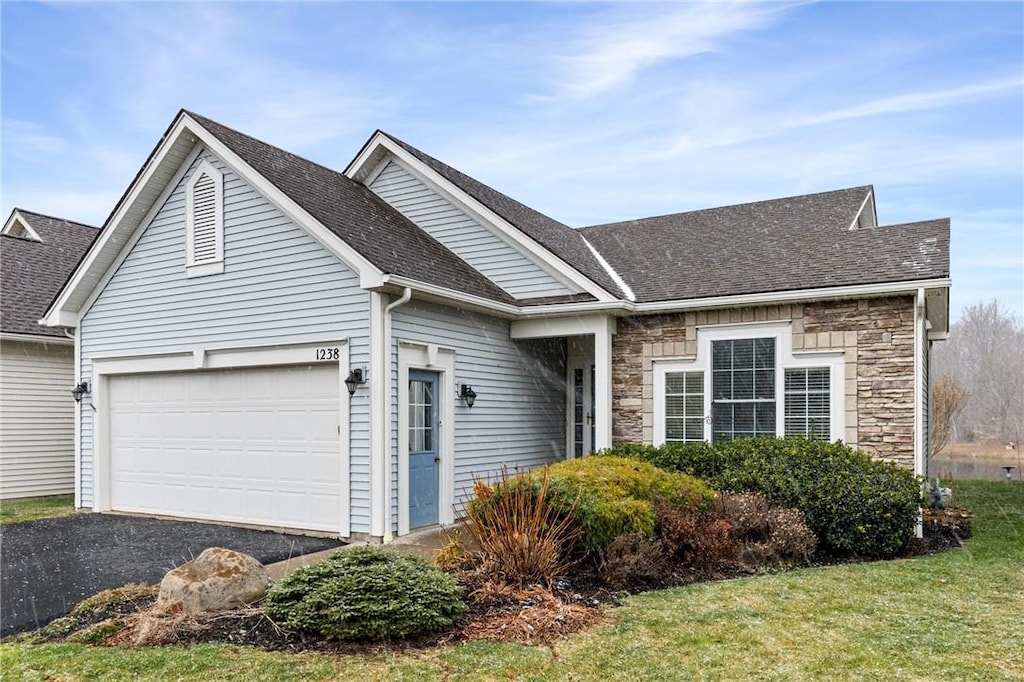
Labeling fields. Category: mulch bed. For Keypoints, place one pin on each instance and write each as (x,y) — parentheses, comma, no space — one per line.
(531,615)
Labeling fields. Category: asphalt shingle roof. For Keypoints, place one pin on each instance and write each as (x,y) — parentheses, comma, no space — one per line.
(359,217)
(801,242)
(558,238)
(32,273)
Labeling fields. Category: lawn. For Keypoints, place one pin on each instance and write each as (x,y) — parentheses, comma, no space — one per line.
(955,615)
(16,511)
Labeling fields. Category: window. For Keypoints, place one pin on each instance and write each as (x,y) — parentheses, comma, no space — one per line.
(205,221)
(743,386)
(750,382)
(684,406)
(807,402)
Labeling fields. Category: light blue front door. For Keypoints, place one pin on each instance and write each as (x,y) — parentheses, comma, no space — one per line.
(424,456)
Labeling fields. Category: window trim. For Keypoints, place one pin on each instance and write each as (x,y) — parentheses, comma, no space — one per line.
(785,358)
(214,265)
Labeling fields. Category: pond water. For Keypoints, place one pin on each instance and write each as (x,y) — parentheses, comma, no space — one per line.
(989,469)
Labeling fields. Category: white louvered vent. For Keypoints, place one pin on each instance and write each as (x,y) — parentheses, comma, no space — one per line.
(205,221)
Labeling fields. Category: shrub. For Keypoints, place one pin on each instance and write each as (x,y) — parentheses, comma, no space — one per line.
(699,539)
(520,529)
(366,593)
(633,561)
(615,496)
(854,504)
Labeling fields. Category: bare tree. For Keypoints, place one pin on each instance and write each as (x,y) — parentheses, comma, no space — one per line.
(985,354)
(948,400)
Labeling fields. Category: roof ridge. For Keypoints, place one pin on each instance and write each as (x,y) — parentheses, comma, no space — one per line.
(52,217)
(742,204)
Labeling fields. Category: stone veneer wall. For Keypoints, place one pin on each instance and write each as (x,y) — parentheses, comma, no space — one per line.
(879,392)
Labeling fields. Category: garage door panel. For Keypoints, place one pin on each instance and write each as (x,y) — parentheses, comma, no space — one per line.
(255,445)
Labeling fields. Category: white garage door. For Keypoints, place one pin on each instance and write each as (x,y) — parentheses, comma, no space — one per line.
(254,445)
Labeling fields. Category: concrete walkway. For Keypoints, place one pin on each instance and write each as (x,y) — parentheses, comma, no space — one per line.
(423,543)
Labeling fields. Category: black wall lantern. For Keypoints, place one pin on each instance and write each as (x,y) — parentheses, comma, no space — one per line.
(467,393)
(354,380)
(78,391)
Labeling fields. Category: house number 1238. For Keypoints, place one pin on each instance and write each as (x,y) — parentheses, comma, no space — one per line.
(327,354)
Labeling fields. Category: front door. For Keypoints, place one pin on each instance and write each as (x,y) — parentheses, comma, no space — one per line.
(581,378)
(424,455)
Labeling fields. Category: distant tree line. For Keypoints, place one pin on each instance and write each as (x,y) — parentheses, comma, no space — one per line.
(978,377)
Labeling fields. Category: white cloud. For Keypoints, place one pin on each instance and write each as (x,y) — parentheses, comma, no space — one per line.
(619,44)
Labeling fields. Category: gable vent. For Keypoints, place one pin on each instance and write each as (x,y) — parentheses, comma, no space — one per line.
(205,221)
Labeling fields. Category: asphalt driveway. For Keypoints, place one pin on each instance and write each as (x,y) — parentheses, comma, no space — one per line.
(48,566)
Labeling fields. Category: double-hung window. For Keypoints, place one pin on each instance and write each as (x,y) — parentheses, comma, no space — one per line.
(746,381)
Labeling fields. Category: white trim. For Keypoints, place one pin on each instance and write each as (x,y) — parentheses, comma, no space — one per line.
(868,200)
(791,295)
(78,423)
(548,327)
(301,353)
(431,358)
(17,219)
(32,338)
(785,358)
(919,384)
(380,357)
(194,267)
(603,385)
(190,131)
(130,243)
(619,282)
(556,266)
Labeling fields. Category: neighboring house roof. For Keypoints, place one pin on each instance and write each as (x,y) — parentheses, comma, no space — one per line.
(558,238)
(802,242)
(32,272)
(363,220)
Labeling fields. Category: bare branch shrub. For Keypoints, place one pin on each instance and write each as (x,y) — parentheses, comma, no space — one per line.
(949,398)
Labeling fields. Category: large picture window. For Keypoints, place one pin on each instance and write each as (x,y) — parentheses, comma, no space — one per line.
(743,388)
(750,382)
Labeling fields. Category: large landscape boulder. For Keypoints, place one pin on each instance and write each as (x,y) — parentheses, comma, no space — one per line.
(216,580)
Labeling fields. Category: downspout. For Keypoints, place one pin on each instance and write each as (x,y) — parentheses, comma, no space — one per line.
(78,417)
(919,453)
(386,436)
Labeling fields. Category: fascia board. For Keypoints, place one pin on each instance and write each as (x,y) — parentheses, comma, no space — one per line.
(557,267)
(17,217)
(32,338)
(792,295)
(187,126)
(330,241)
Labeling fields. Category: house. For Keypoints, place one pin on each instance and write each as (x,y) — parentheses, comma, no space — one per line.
(37,366)
(268,341)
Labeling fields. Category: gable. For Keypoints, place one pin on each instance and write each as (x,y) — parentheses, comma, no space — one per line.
(17,227)
(272,282)
(464,236)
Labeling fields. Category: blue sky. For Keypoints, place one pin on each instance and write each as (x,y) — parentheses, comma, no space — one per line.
(590,113)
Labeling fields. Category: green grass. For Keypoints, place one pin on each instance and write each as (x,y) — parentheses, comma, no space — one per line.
(955,615)
(16,511)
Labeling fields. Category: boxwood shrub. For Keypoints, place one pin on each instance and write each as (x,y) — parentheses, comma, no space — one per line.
(366,593)
(856,505)
(613,496)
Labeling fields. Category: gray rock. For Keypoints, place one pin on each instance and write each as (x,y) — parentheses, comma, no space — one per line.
(216,580)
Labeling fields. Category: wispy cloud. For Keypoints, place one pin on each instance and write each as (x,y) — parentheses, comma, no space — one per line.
(617,45)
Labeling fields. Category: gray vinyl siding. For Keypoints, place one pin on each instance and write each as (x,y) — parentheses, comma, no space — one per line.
(468,239)
(37,419)
(519,417)
(278,285)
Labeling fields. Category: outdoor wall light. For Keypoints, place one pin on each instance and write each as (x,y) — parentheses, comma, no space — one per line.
(78,391)
(354,380)
(467,393)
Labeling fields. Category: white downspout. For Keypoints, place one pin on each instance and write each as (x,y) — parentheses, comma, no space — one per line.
(386,436)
